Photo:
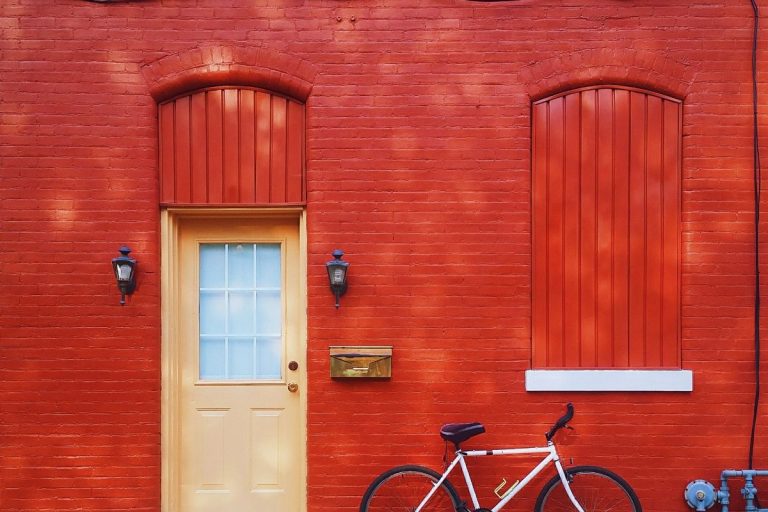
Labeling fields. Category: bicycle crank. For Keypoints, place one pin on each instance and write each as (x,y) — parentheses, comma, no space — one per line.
(463,508)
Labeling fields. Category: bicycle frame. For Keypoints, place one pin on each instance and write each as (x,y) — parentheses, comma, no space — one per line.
(551,456)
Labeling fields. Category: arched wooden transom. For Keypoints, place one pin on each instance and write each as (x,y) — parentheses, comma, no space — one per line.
(232,146)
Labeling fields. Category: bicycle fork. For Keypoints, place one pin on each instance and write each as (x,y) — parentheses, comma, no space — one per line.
(567,484)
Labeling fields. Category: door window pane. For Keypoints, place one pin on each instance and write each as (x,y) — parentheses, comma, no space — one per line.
(240,358)
(240,312)
(213,305)
(212,358)
(212,265)
(268,266)
(268,312)
(240,268)
(268,357)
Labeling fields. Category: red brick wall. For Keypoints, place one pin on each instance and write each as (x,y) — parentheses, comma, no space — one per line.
(418,166)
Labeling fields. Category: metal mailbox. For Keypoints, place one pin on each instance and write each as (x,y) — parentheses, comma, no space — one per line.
(361,361)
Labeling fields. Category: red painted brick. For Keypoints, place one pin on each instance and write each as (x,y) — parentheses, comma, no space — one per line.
(418,166)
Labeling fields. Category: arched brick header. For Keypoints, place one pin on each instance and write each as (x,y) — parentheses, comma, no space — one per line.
(210,66)
(639,68)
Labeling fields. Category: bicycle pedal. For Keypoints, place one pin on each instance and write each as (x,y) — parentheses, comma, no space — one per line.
(501,495)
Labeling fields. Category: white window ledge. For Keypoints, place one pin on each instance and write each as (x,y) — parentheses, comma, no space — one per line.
(609,380)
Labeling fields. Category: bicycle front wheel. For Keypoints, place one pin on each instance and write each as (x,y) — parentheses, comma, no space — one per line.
(403,488)
(596,489)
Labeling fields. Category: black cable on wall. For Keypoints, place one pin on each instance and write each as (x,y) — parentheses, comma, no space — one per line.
(757,178)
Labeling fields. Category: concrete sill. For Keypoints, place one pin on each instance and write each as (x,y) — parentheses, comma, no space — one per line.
(609,380)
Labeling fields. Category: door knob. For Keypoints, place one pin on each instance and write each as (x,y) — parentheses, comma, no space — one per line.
(293,387)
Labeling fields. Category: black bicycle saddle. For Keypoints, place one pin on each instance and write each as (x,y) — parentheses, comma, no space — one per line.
(460,432)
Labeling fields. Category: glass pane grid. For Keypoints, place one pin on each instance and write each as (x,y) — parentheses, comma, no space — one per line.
(240,312)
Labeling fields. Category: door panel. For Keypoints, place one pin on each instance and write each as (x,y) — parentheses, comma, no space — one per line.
(241,429)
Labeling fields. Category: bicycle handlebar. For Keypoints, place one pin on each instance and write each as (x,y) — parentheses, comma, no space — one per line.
(562,422)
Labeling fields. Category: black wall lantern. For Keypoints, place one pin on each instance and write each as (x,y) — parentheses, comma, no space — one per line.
(125,273)
(337,274)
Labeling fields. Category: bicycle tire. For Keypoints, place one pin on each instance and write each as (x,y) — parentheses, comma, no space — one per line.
(596,489)
(402,488)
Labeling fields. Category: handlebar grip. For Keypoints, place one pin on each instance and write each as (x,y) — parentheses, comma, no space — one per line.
(562,422)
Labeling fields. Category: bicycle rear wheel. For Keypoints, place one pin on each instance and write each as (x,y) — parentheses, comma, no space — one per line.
(403,488)
(596,489)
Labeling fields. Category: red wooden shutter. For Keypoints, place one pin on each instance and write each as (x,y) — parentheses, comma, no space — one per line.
(606,246)
(232,146)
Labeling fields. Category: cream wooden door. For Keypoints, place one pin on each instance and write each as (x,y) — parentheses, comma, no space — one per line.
(241,435)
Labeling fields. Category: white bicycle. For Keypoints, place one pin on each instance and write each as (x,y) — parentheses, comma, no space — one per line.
(580,488)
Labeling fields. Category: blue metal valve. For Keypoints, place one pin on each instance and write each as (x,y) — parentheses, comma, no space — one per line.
(700,495)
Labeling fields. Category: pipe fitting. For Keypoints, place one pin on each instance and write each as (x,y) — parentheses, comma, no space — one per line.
(700,495)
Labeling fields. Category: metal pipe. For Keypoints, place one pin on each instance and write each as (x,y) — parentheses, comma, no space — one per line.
(730,473)
(749,491)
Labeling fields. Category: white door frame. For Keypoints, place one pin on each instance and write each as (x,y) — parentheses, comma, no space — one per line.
(170,220)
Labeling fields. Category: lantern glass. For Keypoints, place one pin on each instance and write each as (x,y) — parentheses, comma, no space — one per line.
(337,275)
(124,272)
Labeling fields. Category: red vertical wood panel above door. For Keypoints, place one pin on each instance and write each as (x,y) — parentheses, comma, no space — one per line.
(232,146)
(199,151)
(247,161)
(167,162)
(214,119)
(263,145)
(606,221)
(183,148)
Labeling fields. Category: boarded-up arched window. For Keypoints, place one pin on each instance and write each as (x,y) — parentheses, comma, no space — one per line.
(606,230)
(232,146)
